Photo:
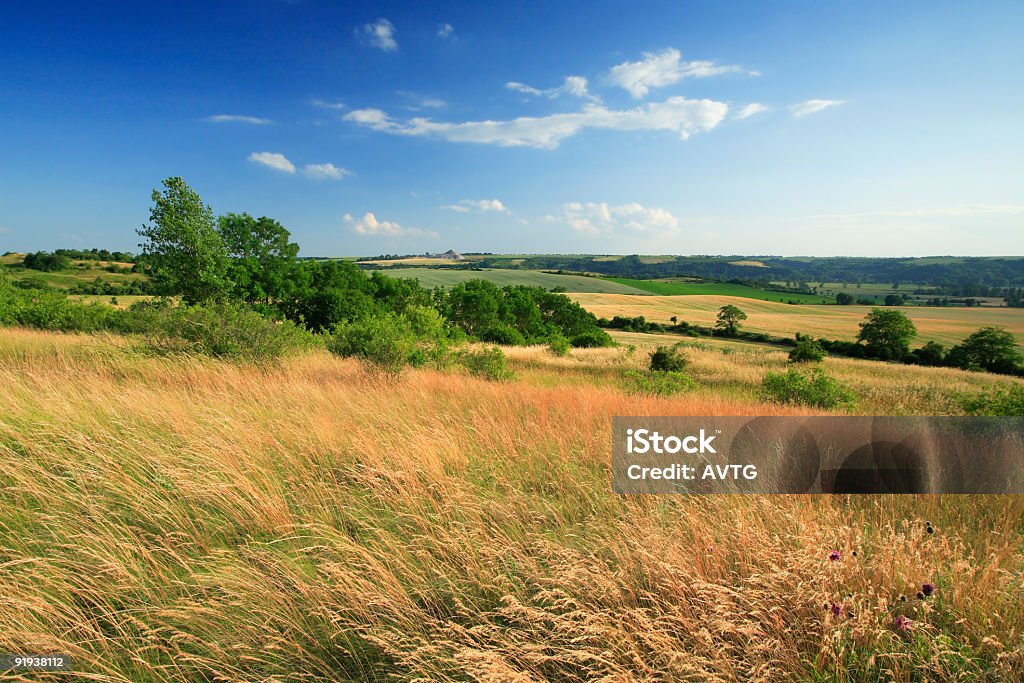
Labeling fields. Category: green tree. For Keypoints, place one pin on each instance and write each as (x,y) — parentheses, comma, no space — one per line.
(844,299)
(182,251)
(262,259)
(729,318)
(887,333)
(990,348)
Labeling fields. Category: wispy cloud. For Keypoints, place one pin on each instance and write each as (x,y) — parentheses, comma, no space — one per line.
(323,104)
(325,171)
(236,118)
(380,33)
(596,218)
(658,69)
(369,225)
(481,205)
(752,109)
(422,102)
(573,85)
(677,114)
(273,160)
(936,212)
(802,109)
(445,31)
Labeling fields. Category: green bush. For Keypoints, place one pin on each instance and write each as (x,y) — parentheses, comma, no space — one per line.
(592,339)
(806,350)
(384,340)
(667,359)
(488,363)
(224,330)
(657,383)
(1000,400)
(813,388)
(504,335)
(559,346)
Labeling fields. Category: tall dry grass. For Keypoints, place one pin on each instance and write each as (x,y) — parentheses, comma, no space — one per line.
(190,520)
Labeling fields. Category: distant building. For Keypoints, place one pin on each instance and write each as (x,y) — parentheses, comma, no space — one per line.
(450,255)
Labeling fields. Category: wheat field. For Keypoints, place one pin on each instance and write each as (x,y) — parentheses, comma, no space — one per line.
(945,325)
(186,519)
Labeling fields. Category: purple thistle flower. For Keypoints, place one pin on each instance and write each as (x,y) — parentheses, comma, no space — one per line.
(837,609)
(901,623)
(834,556)
(927,589)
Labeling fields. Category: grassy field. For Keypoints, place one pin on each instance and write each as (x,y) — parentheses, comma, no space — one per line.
(945,325)
(446,277)
(670,288)
(81,272)
(182,519)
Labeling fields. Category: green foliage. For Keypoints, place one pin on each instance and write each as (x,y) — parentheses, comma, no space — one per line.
(729,318)
(223,330)
(806,350)
(46,262)
(667,359)
(262,261)
(887,333)
(844,299)
(48,309)
(593,339)
(657,383)
(389,341)
(559,346)
(183,252)
(1001,400)
(810,388)
(990,348)
(488,363)
(932,354)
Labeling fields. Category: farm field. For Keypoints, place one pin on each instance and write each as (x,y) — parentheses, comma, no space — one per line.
(207,520)
(446,277)
(679,288)
(945,325)
(82,272)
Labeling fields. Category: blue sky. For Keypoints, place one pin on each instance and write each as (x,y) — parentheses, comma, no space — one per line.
(693,128)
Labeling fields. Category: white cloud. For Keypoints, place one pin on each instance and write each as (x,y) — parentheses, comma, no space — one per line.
(369,225)
(273,160)
(380,33)
(421,102)
(678,114)
(573,85)
(334,106)
(235,118)
(592,218)
(325,171)
(801,109)
(663,68)
(749,110)
(481,205)
(944,211)
(445,31)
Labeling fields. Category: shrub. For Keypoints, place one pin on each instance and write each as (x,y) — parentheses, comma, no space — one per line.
(813,388)
(223,330)
(488,363)
(657,383)
(384,340)
(667,359)
(1000,400)
(806,351)
(504,335)
(592,339)
(559,346)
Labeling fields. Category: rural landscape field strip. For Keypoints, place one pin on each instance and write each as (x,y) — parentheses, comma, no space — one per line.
(446,277)
(945,325)
(182,519)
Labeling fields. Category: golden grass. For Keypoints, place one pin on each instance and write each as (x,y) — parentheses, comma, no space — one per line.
(945,325)
(183,519)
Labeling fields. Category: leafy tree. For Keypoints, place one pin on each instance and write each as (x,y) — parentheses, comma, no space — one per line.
(729,318)
(183,252)
(844,299)
(262,259)
(46,262)
(990,348)
(932,353)
(887,333)
(893,300)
